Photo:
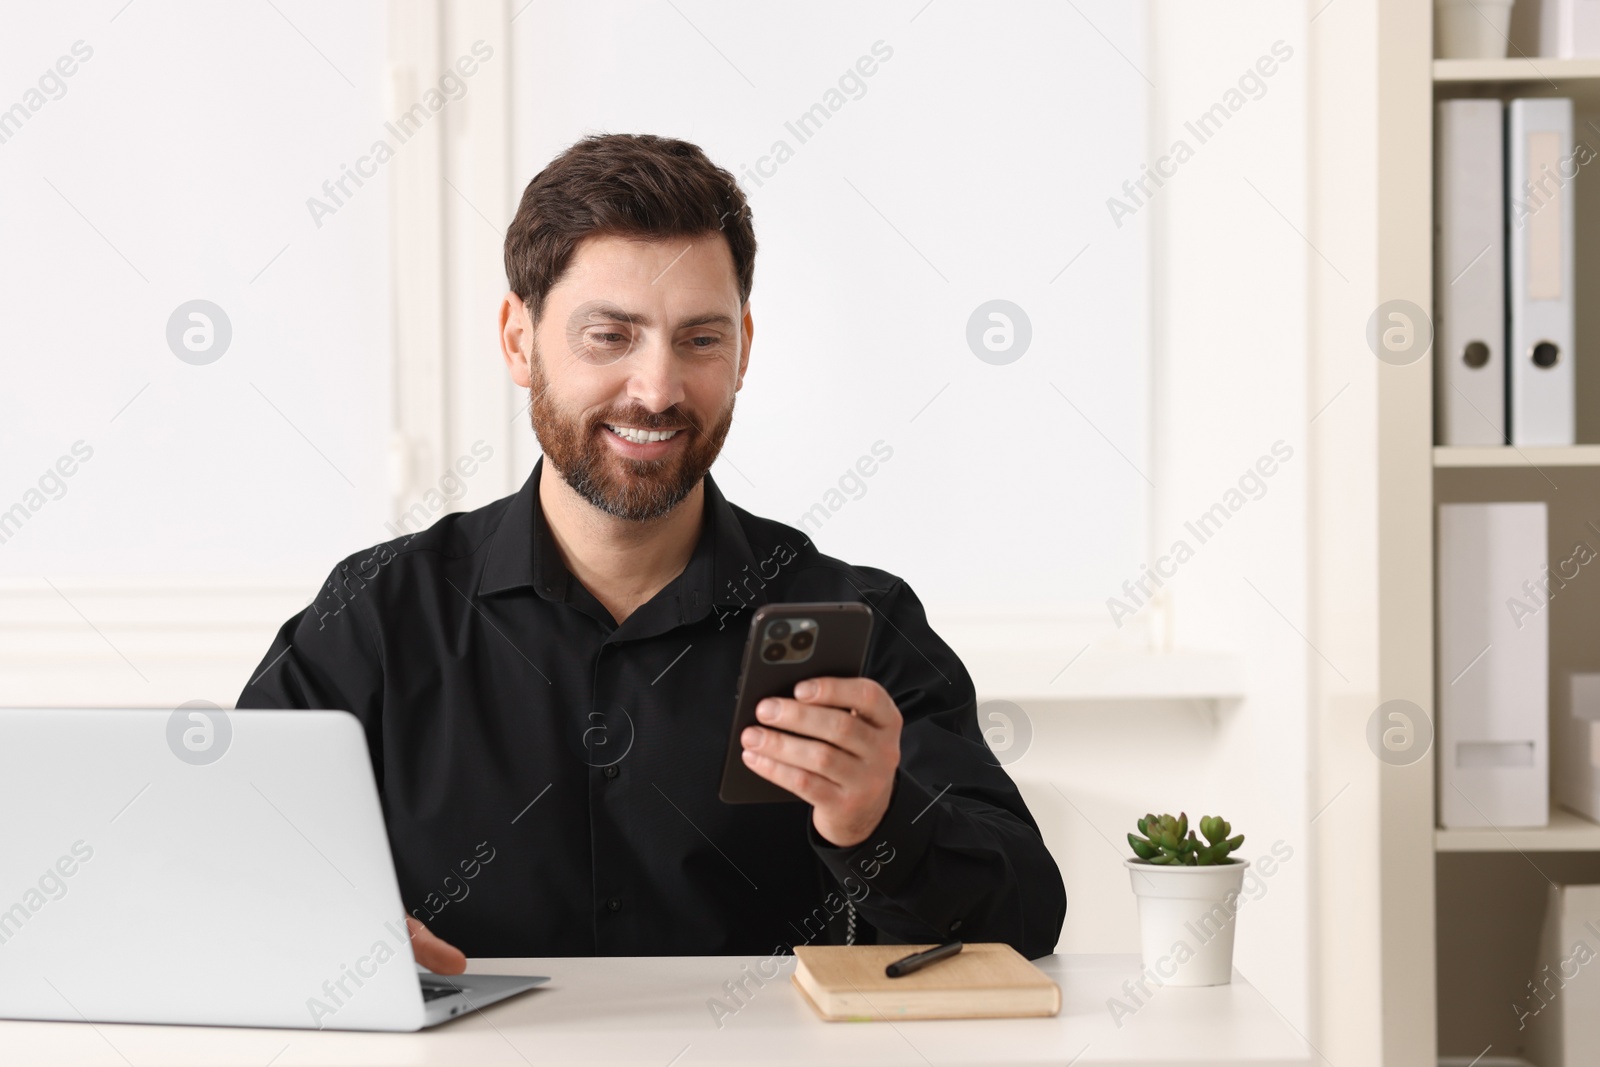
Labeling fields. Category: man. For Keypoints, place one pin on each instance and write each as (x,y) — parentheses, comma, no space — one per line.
(546,683)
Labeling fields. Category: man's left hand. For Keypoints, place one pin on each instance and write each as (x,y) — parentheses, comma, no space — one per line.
(844,760)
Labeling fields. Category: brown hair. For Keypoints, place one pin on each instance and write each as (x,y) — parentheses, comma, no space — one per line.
(626,184)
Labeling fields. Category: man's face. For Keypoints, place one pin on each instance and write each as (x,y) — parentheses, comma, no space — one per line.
(633,369)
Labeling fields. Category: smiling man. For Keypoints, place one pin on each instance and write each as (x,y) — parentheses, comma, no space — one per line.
(547,683)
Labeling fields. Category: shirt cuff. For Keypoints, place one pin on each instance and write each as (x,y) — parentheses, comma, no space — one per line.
(889,856)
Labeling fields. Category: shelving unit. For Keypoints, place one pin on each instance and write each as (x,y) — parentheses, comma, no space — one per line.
(1484,899)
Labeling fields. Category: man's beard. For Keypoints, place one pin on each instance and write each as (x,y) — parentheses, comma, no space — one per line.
(635,489)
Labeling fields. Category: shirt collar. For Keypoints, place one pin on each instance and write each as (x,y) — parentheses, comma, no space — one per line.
(522,554)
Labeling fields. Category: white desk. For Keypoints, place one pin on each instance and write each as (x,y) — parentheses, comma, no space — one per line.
(653,1010)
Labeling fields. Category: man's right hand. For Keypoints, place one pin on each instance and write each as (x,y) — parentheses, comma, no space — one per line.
(438,956)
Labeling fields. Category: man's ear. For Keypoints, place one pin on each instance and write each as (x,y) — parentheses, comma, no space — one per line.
(749,333)
(516,339)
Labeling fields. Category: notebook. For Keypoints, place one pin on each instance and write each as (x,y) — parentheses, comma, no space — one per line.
(986,980)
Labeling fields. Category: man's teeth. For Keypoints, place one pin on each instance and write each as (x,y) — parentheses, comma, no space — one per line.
(641,437)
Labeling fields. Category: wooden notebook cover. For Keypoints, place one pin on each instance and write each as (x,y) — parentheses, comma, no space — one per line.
(985,980)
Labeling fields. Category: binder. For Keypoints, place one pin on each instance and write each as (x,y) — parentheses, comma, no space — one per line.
(1493,681)
(1469,276)
(1540,166)
(1569,29)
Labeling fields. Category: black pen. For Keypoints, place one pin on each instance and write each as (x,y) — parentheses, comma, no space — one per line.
(918,960)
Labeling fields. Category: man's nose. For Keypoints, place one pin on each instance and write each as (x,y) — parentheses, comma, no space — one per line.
(657,379)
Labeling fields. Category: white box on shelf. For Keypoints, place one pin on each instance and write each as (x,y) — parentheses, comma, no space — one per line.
(1577,746)
(1494,669)
(1569,29)
(1471,29)
(1559,1012)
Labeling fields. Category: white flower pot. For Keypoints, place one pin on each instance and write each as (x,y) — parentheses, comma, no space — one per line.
(1186,920)
(1471,29)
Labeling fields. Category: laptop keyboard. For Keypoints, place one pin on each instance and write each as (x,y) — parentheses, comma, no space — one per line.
(434,992)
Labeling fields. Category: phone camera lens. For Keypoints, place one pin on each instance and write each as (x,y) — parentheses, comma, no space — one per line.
(772,653)
(778,630)
(802,640)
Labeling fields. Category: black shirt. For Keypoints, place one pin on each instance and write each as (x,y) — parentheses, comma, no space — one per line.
(549,778)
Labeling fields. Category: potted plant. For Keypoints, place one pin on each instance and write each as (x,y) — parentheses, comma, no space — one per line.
(1188,893)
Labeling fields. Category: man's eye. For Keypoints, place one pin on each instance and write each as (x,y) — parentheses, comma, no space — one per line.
(608,338)
(708,342)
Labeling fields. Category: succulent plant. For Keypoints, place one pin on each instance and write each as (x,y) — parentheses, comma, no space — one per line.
(1169,840)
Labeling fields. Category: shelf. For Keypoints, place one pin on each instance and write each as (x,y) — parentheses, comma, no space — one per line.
(1535,69)
(1567,832)
(1507,456)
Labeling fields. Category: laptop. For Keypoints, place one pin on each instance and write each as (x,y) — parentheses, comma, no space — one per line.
(207,867)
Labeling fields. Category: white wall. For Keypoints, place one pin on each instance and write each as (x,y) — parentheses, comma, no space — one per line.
(1231,379)
(175,165)
(971,165)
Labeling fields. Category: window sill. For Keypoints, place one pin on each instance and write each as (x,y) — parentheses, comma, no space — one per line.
(1040,676)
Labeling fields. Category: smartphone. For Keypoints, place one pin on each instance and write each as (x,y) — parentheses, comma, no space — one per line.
(789,643)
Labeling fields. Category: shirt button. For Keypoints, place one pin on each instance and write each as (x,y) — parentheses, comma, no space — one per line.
(612,772)
(614,904)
